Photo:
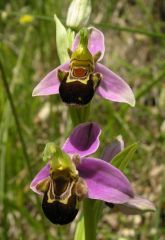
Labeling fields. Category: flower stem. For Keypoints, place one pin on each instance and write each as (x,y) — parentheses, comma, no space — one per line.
(89,219)
(19,130)
(79,114)
(13,108)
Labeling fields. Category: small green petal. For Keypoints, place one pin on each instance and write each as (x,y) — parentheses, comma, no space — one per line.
(59,160)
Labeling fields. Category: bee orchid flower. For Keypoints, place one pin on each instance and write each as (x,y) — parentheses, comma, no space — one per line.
(71,175)
(80,78)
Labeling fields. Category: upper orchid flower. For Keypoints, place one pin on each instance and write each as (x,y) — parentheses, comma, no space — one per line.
(78,80)
(70,176)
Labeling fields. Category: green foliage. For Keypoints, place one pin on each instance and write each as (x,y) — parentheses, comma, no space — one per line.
(122,159)
(135,49)
(80,233)
(61,40)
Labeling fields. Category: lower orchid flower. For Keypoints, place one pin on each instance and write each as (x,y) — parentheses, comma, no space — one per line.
(69,176)
(80,78)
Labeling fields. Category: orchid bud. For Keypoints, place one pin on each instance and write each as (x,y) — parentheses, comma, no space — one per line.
(78,13)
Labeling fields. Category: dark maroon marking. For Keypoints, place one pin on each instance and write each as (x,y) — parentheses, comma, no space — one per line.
(76,92)
(79,72)
(59,213)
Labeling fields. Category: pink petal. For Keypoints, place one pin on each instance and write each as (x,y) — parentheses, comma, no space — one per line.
(95,42)
(136,205)
(104,181)
(41,175)
(50,84)
(84,139)
(114,88)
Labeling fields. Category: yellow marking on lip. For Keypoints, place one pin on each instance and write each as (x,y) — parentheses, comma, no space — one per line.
(85,81)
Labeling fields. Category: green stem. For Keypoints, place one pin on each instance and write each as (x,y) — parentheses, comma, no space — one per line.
(150,85)
(79,114)
(89,219)
(19,130)
(133,30)
(87,223)
(104,26)
(13,108)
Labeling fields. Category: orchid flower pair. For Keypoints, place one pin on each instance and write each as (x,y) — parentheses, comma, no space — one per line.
(70,175)
(80,78)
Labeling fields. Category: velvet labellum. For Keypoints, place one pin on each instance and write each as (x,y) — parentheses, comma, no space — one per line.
(60,203)
(60,213)
(61,199)
(76,92)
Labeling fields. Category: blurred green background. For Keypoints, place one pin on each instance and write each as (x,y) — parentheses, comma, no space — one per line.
(135,49)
